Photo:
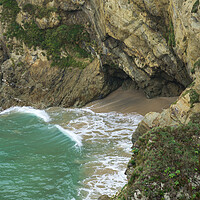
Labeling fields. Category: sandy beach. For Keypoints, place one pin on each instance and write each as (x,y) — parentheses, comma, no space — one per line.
(127,101)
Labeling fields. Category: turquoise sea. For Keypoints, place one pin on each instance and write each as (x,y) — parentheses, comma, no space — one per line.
(68,154)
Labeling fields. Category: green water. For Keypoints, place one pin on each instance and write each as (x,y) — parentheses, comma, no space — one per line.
(36,160)
(69,154)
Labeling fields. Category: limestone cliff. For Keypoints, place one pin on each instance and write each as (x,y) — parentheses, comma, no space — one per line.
(45,56)
(139,35)
(137,40)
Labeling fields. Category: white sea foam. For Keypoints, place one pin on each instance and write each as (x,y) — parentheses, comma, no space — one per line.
(109,137)
(106,137)
(108,125)
(70,134)
(39,113)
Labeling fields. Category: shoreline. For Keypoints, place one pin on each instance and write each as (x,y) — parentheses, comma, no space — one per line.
(128,101)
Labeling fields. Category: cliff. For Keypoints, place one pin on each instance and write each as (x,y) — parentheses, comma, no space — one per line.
(70,52)
(149,43)
(48,56)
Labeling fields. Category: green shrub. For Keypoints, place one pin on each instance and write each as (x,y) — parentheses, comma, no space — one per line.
(195,7)
(10,10)
(194,97)
(52,40)
(197,63)
(38,11)
(29,8)
(171,36)
(171,159)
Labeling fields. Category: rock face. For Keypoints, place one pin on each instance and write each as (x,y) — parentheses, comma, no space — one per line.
(140,35)
(155,43)
(40,85)
(26,73)
(149,41)
(186,19)
(187,105)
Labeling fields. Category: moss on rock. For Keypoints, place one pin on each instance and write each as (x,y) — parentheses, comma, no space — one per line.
(166,164)
(194,97)
(55,40)
(195,7)
(38,11)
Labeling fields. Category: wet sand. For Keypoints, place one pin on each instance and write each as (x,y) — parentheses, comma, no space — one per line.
(127,101)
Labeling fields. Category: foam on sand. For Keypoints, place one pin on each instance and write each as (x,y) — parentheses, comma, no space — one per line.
(107,138)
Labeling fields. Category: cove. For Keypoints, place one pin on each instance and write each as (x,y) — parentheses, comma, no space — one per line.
(63,153)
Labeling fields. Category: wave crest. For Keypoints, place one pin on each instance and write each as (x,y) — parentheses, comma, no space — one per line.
(29,110)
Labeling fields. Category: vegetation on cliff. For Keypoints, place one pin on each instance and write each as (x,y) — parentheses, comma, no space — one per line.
(170,35)
(54,40)
(37,11)
(195,7)
(166,164)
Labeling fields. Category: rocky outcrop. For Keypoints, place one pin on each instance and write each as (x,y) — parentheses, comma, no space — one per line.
(26,73)
(165,164)
(180,112)
(141,42)
(166,156)
(148,42)
(40,85)
(186,22)
(134,37)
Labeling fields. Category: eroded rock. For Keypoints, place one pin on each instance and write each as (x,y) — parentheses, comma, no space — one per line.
(40,85)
